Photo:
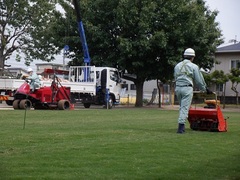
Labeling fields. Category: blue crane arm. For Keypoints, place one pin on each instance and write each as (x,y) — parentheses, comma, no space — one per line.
(87,58)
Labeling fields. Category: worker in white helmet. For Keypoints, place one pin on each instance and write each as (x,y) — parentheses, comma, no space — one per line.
(186,73)
(33,79)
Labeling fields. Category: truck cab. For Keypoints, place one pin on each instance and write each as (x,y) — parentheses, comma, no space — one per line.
(95,85)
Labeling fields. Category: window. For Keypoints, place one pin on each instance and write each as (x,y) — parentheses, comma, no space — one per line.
(125,86)
(114,76)
(132,87)
(235,64)
(166,88)
(97,74)
(219,87)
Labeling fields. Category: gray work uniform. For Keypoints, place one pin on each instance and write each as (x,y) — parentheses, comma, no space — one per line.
(34,81)
(185,73)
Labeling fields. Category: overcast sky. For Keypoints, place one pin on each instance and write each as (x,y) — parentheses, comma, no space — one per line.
(228,17)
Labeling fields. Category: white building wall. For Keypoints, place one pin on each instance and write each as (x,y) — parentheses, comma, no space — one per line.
(223,62)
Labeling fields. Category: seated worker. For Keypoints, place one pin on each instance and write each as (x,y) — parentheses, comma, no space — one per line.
(34,80)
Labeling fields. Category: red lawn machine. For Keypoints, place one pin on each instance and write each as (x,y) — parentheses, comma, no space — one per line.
(209,117)
(55,96)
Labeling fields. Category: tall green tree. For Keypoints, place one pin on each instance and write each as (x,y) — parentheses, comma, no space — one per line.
(147,38)
(25,28)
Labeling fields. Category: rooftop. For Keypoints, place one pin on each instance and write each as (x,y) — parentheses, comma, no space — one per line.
(230,48)
(50,64)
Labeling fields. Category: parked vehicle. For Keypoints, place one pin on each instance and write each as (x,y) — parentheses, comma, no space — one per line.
(8,86)
(93,85)
(54,96)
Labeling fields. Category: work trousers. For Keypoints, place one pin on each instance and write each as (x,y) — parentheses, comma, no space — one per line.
(184,96)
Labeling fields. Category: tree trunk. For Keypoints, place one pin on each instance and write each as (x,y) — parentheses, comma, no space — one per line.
(237,98)
(139,91)
(224,95)
(1,64)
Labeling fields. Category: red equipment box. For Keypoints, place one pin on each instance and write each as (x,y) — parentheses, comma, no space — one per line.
(208,118)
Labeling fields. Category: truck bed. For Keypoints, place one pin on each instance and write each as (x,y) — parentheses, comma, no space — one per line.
(10,84)
(79,87)
(82,80)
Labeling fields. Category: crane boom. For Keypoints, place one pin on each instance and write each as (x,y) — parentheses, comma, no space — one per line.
(87,58)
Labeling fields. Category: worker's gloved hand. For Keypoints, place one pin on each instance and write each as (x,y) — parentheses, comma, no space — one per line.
(27,80)
(209,91)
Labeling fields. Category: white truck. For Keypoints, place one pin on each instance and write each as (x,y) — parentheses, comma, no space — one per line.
(8,87)
(89,85)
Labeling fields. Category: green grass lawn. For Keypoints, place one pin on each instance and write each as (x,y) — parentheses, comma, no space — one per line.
(134,143)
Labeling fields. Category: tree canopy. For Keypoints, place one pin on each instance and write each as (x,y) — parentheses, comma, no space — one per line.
(25,28)
(147,38)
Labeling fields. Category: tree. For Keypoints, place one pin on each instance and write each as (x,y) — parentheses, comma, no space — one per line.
(234,77)
(219,78)
(147,38)
(25,28)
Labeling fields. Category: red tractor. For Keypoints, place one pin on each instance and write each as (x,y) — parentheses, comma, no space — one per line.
(54,97)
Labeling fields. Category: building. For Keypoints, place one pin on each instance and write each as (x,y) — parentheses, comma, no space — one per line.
(42,66)
(57,68)
(14,72)
(226,58)
(150,92)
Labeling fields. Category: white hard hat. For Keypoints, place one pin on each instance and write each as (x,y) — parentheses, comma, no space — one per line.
(189,52)
(29,70)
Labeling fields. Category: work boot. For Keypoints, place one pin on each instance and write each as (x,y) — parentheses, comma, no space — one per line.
(181,128)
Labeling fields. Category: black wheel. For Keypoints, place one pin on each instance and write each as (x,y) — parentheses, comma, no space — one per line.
(194,125)
(16,104)
(87,105)
(9,102)
(63,104)
(25,104)
(214,126)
